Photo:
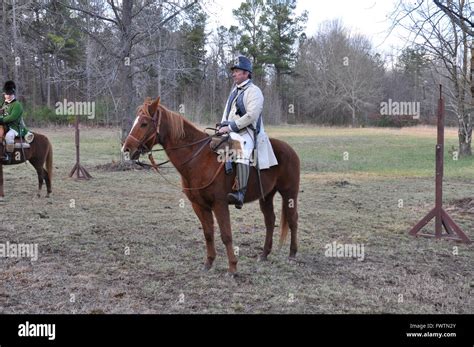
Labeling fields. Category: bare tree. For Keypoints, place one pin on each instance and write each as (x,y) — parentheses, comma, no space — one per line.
(124,17)
(338,74)
(442,30)
(455,13)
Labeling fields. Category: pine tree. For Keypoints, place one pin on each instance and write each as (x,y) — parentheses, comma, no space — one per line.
(283,29)
(251,32)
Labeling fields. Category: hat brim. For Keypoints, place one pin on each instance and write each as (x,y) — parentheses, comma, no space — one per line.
(238,67)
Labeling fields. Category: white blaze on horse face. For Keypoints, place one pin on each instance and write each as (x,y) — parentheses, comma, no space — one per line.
(135,122)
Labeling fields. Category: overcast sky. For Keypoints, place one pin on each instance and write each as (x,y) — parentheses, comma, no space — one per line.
(368,17)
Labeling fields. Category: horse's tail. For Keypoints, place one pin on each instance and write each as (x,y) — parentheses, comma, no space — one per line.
(49,161)
(283,225)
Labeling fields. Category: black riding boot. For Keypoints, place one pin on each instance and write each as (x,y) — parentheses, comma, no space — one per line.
(9,148)
(237,198)
(4,156)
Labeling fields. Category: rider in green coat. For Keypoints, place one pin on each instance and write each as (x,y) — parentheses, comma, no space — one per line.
(11,116)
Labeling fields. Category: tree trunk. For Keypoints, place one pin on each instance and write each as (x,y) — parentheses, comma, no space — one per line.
(465,143)
(15,51)
(465,140)
(461,88)
(4,28)
(353,117)
(125,69)
(48,82)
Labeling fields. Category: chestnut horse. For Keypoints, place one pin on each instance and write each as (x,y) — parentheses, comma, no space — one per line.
(205,183)
(39,154)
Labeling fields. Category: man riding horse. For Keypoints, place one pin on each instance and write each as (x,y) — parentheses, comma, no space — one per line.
(242,119)
(11,119)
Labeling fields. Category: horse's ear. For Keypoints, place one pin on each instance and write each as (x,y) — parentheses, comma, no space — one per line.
(155,103)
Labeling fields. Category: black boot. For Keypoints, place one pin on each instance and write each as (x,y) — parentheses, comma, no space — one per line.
(5,158)
(237,198)
(8,152)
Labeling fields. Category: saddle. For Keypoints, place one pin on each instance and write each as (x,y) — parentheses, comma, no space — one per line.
(19,143)
(223,143)
(15,155)
(23,142)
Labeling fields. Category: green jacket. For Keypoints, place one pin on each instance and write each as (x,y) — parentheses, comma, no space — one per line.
(12,116)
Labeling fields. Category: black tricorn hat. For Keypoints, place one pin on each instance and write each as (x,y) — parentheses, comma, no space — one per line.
(9,87)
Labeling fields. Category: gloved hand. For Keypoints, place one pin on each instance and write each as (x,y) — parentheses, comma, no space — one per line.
(224,124)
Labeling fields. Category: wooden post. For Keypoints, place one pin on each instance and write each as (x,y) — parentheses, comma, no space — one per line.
(81,172)
(442,219)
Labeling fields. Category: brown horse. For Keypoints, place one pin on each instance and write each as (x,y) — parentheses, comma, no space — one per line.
(205,183)
(39,154)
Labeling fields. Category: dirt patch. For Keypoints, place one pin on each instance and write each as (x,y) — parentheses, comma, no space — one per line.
(115,166)
(340,184)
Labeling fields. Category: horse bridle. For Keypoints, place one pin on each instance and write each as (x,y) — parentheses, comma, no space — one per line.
(156,132)
(143,148)
(141,144)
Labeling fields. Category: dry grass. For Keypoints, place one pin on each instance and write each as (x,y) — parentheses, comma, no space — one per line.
(86,228)
(313,130)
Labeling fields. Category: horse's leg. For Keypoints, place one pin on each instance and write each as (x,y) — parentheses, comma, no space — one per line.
(39,172)
(290,209)
(48,182)
(269,215)
(221,211)
(207,222)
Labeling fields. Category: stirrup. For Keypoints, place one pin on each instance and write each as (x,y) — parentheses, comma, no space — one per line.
(236,199)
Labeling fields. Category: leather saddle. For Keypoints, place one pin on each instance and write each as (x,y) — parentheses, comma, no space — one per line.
(222,143)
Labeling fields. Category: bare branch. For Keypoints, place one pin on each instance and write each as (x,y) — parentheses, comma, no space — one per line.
(92,14)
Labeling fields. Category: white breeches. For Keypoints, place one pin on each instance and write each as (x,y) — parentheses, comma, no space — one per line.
(246,143)
(10,136)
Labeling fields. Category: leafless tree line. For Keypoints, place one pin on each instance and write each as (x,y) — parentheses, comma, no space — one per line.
(117,53)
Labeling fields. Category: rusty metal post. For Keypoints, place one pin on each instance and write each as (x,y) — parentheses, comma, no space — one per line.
(439,165)
(442,219)
(81,172)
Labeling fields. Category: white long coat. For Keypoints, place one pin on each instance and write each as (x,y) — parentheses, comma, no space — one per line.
(253,102)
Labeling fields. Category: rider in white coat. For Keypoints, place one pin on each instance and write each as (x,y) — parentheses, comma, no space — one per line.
(242,120)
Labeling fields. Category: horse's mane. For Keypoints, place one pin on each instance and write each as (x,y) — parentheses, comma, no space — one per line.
(174,121)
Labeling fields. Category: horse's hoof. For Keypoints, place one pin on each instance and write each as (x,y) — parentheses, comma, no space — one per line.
(232,275)
(262,257)
(206,267)
(292,258)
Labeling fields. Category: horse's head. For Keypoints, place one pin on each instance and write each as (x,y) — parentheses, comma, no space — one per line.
(143,135)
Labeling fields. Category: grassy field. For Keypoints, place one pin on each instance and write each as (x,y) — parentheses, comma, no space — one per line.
(128,242)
